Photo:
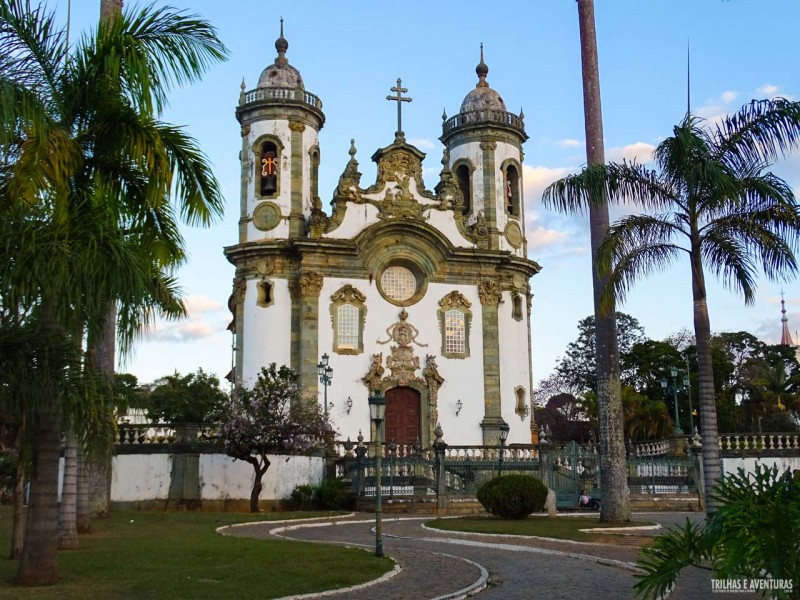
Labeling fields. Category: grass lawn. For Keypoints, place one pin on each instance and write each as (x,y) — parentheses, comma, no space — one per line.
(151,555)
(564,528)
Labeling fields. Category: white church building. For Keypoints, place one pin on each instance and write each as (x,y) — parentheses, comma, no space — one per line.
(423,295)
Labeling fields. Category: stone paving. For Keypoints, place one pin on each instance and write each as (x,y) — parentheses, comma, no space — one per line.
(443,565)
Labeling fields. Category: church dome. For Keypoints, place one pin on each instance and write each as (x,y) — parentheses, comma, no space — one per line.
(281,74)
(482,97)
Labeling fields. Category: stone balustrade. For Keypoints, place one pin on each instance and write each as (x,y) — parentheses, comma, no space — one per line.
(129,434)
(499,117)
(759,442)
(292,95)
(652,448)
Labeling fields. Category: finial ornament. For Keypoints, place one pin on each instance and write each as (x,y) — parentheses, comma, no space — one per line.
(482,70)
(352,151)
(400,90)
(444,114)
(243,86)
(281,45)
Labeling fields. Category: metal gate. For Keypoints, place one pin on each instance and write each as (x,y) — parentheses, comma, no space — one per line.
(573,468)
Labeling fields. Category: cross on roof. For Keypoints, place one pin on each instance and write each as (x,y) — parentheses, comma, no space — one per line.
(399,99)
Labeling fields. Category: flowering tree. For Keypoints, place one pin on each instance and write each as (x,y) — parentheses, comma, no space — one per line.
(270,418)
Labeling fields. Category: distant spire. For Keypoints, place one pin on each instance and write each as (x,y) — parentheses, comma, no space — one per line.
(688,81)
(482,70)
(281,45)
(786,336)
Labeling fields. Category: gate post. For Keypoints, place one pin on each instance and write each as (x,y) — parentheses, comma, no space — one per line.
(544,473)
(439,447)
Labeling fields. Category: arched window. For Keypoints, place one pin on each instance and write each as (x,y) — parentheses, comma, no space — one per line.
(454,321)
(314,154)
(521,407)
(465,185)
(512,191)
(266,295)
(269,165)
(348,314)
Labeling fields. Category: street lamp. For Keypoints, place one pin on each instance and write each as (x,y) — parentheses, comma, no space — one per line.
(504,429)
(377,411)
(665,385)
(325,377)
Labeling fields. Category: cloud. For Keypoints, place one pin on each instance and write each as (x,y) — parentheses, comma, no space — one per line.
(768,89)
(641,152)
(425,143)
(728,96)
(541,237)
(184,331)
(569,143)
(197,305)
(537,178)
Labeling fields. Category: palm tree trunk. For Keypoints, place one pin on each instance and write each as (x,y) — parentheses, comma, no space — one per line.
(68,509)
(613,465)
(705,372)
(84,508)
(18,498)
(38,564)
(109,8)
(100,355)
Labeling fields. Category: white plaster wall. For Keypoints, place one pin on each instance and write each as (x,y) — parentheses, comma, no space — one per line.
(732,464)
(138,477)
(463,377)
(222,477)
(504,152)
(514,369)
(444,221)
(267,330)
(357,217)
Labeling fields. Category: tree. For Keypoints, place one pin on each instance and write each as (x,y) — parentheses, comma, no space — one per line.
(578,367)
(712,201)
(86,170)
(270,418)
(192,398)
(613,470)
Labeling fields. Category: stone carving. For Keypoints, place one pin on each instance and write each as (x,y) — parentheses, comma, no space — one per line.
(434,381)
(317,220)
(480,231)
(488,146)
(297,126)
(396,164)
(310,283)
(454,299)
(373,378)
(348,293)
(350,180)
(447,190)
(266,216)
(490,293)
(236,298)
(513,234)
(402,362)
(399,202)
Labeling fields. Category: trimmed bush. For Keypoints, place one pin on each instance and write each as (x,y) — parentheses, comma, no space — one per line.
(512,496)
(329,495)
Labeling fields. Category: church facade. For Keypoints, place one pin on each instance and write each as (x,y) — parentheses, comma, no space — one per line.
(422,295)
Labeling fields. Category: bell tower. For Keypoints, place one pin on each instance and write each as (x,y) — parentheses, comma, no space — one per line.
(280,123)
(484,142)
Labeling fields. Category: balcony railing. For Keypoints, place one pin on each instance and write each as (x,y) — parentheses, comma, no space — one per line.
(293,95)
(486,116)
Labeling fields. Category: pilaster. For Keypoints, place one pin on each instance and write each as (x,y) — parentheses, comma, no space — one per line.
(309,285)
(245,162)
(490,193)
(491,296)
(296,220)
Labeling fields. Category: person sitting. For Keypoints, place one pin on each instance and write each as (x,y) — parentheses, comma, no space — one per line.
(586,501)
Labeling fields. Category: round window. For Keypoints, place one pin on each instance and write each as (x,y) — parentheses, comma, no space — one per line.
(398,283)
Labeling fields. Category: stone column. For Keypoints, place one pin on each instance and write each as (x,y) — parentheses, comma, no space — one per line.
(491,297)
(490,193)
(296,221)
(309,285)
(246,163)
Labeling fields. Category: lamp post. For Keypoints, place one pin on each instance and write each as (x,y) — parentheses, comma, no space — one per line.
(504,429)
(325,378)
(666,385)
(377,411)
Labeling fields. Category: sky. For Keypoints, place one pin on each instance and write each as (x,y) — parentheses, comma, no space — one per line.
(350,53)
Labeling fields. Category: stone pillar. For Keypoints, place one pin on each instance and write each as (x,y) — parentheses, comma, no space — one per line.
(184,483)
(490,193)
(309,285)
(297,222)
(491,297)
(247,177)
(696,450)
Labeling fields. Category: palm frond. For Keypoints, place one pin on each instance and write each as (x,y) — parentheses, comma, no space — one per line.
(761,132)
(726,254)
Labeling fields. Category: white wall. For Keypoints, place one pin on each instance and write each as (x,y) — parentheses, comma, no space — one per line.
(732,464)
(140,477)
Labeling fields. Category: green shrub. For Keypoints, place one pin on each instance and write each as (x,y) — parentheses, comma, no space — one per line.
(333,495)
(512,496)
(329,495)
(754,533)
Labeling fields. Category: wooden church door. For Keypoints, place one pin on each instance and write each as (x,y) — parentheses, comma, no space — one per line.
(402,415)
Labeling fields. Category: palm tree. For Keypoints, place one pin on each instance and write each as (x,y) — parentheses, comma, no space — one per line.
(613,468)
(714,202)
(86,168)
